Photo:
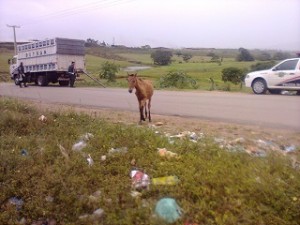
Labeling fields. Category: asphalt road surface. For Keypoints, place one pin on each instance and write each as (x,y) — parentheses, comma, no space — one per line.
(272,111)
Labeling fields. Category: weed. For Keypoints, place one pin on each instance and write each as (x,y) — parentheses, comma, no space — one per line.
(177,79)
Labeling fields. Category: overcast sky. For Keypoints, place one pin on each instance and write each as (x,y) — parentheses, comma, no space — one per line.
(263,24)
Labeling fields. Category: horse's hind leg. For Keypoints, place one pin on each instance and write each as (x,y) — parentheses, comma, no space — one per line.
(149,106)
(146,112)
(142,105)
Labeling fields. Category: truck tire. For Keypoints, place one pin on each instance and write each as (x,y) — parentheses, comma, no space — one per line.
(17,82)
(42,80)
(259,86)
(63,82)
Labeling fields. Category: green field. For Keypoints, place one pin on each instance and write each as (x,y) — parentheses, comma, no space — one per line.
(199,67)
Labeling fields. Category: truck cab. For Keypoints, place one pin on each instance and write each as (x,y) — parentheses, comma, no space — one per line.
(13,69)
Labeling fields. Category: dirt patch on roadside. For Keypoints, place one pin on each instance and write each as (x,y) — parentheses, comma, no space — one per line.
(175,125)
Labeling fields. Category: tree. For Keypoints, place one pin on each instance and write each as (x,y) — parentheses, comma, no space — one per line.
(91,42)
(244,55)
(109,70)
(281,55)
(161,57)
(233,75)
(178,53)
(186,57)
(211,54)
(262,65)
(146,47)
(264,56)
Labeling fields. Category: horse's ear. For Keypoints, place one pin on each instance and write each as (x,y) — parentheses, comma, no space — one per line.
(135,74)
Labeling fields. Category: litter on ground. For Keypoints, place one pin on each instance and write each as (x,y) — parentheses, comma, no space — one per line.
(168,210)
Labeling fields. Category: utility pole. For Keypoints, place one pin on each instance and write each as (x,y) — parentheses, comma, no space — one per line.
(15,40)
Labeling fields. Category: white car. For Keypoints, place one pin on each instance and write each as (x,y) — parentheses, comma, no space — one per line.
(284,76)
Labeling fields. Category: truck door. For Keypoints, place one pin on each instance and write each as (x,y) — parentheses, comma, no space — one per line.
(13,66)
(283,73)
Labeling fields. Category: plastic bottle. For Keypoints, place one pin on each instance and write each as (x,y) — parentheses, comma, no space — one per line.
(168,180)
(79,146)
(118,150)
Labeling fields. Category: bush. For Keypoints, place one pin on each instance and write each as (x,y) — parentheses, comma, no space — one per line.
(262,65)
(109,70)
(233,75)
(161,57)
(186,57)
(177,79)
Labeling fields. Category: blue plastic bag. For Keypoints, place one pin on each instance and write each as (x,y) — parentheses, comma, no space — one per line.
(168,209)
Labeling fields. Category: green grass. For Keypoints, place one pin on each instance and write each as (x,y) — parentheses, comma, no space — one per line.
(199,67)
(4,67)
(216,186)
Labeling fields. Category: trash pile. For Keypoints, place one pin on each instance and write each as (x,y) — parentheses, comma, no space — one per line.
(166,208)
(256,148)
(259,147)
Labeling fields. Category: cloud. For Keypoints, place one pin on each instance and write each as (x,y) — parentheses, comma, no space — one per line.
(182,23)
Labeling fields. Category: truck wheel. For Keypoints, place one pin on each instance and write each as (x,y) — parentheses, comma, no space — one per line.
(17,82)
(63,82)
(42,81)
(259,86)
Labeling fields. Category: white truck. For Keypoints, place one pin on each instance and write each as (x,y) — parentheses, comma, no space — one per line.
(48,60)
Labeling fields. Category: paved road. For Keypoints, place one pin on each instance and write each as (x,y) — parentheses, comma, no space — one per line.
(274,111)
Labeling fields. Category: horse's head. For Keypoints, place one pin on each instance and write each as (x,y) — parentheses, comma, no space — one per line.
(131,82)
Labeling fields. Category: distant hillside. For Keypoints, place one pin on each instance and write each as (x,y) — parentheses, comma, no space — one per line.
(10,45)
(113,52)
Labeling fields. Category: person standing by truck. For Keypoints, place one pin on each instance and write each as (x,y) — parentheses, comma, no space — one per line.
(22,76)
(71,72)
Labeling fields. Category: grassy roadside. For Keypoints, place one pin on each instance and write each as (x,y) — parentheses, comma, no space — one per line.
(216,186)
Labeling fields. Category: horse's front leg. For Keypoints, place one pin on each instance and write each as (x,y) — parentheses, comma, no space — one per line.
(141,106)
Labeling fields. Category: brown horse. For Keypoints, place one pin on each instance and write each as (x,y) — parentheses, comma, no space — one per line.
(144,92)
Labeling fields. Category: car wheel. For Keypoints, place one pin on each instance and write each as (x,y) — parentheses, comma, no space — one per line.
(259,86)
(275,91)
(42,81)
